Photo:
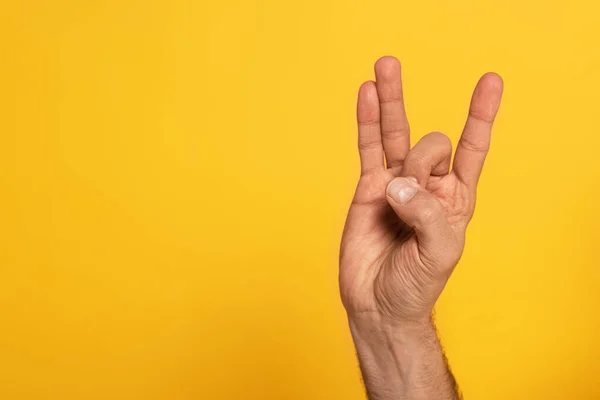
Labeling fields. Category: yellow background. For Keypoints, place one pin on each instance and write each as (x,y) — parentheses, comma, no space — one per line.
(175,176)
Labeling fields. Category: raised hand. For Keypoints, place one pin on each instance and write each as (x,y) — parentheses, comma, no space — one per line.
(405,229)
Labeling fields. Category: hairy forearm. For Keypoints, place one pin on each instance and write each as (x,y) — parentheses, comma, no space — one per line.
(402,361)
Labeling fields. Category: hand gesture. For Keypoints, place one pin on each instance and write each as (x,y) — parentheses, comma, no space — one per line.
(405,229)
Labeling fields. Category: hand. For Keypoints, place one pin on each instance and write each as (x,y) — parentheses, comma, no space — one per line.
(405,229)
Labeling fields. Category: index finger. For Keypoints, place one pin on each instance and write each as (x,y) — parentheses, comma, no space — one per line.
(474,142)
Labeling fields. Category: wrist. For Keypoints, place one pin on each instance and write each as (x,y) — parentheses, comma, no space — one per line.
(373,323)
(393,355)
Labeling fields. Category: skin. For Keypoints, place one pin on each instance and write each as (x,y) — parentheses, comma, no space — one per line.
(405,233)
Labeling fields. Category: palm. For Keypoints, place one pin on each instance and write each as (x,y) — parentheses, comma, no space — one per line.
(384,265)
(381,243)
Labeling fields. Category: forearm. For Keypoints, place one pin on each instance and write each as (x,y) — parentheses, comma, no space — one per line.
(402,362)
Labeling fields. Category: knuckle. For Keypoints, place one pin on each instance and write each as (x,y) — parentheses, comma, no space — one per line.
(369,122)
(429,213)
(416,160)
(439,137)
(365,145)
(480,114)
(396,132)
(392,100)
(477,146)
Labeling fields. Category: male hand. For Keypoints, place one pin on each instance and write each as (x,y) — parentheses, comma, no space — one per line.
(405,229)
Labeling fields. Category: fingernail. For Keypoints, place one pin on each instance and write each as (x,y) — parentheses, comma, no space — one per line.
(402,190)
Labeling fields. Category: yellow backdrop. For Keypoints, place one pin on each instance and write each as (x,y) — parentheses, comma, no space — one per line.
(175,176)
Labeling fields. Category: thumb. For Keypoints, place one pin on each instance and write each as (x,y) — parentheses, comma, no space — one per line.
(422,211)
